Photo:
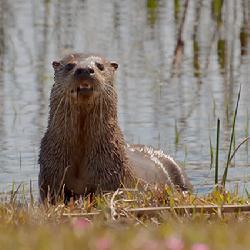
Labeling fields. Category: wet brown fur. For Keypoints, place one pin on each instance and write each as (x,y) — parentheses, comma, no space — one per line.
(83,149)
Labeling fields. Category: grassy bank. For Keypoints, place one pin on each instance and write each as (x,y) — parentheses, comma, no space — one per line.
(109,223)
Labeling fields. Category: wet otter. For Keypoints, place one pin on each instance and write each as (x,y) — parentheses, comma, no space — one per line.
(83,148)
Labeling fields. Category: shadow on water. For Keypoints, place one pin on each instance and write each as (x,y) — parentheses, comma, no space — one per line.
(181,65)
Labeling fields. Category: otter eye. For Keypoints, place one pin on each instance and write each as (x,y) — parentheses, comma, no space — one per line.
(114,65)
(100,66)
(70,66)
(56,64)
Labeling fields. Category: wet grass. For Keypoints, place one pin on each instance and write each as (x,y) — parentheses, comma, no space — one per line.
(109,223)
(177,133)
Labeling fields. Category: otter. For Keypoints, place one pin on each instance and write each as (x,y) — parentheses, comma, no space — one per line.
(83,149)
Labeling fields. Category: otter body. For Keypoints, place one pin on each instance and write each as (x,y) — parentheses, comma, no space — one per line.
(83,149)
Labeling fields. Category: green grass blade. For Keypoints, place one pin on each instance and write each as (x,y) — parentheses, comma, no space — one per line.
(211,153)
(217,153)
(177,133)
(224,178)
(247,129)
(237,148)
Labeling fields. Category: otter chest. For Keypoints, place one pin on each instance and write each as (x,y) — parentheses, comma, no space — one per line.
(84,176)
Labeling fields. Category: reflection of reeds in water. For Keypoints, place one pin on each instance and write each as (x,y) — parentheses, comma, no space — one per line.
(216,6)
(221,50)
(179,48)
(218,35)
(217,10)
(245,28)
(244,40)
(177,134)
(196,45)
(176,9)
(196,63)
(1,30)
(152,6)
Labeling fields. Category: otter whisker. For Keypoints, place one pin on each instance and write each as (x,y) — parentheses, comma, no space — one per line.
(56,93)
(55,113)
(101,111)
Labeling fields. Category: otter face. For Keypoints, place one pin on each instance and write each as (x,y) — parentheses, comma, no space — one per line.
(84,77)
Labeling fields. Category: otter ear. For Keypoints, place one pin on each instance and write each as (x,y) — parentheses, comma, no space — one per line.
(56,64)
(114,65)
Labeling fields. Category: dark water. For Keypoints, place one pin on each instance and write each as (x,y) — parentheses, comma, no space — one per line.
(165,100)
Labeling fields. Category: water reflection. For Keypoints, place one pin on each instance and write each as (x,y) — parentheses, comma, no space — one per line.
(181,64)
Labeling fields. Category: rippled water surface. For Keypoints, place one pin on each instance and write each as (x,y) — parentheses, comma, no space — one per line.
(170,93)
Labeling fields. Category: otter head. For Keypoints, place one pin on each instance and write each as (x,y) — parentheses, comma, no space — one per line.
(84,78)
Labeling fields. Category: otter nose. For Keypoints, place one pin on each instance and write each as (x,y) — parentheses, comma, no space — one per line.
(83,72)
